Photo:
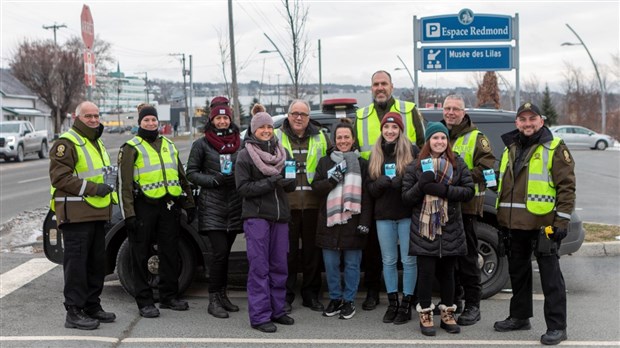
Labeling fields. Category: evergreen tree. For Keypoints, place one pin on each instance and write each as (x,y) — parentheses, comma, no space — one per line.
(548,109)
(488,91)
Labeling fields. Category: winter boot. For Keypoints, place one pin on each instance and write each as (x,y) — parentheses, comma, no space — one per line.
(448,322)
(392,309)
(77,319)
(226,302)
(426,320)
(216,308)
(404,311)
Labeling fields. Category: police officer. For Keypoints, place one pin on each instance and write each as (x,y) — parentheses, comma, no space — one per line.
(82,202)
(306,144)
(474,147)
(536,188)
(153,190)
(368,128)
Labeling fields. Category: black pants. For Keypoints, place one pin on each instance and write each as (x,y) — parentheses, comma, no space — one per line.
(468,273)
(371,261)
(443,268)
(221,243)
(303,225)
(520,269)
(160,225)
(83,263)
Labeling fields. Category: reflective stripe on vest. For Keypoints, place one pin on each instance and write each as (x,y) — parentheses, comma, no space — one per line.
(465,146)
(369,128)
(317,148)
(156,173)
(88,167)
(540,187)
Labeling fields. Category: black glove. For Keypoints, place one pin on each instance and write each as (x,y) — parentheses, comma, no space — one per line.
(436,189)
(103,190)
(397,182)
(383,182)
(229,180)
(336,176)
(285,182)
(191,214)
(218,179)
(426,178)
(131,224)
(274,179)
(363,230)
(559,233)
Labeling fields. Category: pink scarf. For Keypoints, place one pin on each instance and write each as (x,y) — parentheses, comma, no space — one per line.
(267,163)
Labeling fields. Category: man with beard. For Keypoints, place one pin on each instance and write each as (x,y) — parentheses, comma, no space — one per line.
(368,128)
(153,190)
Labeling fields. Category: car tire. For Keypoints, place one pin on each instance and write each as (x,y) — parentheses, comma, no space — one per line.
(601,145)
(493,269)
(187,266)
(20,153)
(44,152)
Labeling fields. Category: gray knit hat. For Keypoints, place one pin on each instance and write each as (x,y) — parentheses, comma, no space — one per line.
(259,120)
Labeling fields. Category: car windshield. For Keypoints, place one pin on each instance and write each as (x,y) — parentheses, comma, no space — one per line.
(9,128)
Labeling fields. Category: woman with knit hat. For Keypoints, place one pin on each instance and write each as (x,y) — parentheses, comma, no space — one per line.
(211,167)
(259,176)
(435,184)
(389,157)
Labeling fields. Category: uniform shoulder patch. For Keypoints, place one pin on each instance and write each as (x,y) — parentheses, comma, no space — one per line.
(484,144)
(566,156)
(60,150)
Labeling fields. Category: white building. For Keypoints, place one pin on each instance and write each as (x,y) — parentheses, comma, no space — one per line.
(118,93)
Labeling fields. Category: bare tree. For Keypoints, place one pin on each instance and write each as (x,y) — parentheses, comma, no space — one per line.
(296,17)
(488,91)
(224,56)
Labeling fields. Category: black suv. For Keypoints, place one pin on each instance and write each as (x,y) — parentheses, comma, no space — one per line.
(194,249)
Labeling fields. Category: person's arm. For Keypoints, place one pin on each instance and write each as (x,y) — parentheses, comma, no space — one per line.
(321,185)
(188,200)
(563,175)
(63,158)
(195,161)
(418,123)
(126,160)
(483,158)
(411,192)
(463,190)
(246,185)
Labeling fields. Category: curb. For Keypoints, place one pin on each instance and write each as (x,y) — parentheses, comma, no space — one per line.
(599,249)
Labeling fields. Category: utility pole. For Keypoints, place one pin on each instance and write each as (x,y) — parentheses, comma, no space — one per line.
(54,28)
(233,65)
(187,125)
(320,78)
(191,94)
(146,84)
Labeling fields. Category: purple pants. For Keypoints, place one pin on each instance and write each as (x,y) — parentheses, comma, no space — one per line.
(267,247)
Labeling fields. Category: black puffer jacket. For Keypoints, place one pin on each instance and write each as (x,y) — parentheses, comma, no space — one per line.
(340,237)
(219,204)
(452,240)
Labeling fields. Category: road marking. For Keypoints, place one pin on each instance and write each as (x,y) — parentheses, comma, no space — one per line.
(34,179)
(23,274)
(59,338)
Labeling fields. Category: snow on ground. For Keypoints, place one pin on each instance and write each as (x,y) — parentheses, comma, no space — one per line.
(24,232)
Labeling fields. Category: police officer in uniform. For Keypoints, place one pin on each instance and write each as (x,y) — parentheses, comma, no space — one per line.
(474,148)
(153,190)
(536,189)
(368,129)
(82,203)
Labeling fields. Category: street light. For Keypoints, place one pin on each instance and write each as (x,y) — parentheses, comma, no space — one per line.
(600,81)
(407,69)
(288,68)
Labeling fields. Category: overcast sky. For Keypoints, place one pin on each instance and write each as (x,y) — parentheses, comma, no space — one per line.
(357,37)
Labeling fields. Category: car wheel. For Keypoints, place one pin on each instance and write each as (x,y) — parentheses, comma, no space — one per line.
(20,154)
(187,267)
(601,145)
(44,152)
(493,269)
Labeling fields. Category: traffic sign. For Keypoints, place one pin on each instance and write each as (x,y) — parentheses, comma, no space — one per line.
(465,26)
(466,58)
(89,68)
(88,27)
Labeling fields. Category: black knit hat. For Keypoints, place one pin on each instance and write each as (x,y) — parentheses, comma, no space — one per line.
(147,111)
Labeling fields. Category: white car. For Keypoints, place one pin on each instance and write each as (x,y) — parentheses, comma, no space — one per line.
(583,137)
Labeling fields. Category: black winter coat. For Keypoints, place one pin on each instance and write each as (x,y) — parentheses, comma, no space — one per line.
(219,204)
(452,240)
(340,237)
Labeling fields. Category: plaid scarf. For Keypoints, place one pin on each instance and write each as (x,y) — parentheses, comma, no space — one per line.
(345,200)
(434,212)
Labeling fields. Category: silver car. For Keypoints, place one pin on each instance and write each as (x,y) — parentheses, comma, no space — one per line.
(577,136)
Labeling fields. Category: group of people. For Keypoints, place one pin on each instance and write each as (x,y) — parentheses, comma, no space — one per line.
(382,188)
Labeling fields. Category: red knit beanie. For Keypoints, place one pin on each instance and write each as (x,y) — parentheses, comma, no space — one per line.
(393,117)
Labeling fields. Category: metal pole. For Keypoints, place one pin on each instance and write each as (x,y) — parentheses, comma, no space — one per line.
(517,63)
(191,94)
(54,28)
(320,77)
(600,81)
(406,68)
(233,65)
(416,64)
(290,74)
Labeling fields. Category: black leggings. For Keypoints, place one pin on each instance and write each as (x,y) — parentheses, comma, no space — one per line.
(428,267)
(221,243)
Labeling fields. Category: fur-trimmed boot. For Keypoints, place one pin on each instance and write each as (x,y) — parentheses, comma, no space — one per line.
(427,325)
(404,311)
(448,322)
(390,314)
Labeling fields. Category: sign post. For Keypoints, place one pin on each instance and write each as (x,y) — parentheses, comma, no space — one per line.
(88,36)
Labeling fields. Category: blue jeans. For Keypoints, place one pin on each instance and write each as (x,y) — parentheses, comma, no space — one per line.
(390,233)
(352,261)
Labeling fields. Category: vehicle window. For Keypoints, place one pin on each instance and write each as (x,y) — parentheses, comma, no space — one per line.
(561,130)
(581,131)
(29,127)
(9,128)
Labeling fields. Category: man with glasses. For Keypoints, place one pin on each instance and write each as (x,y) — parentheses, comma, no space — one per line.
(475,149)
(82,202)
(368,129)
(306,144)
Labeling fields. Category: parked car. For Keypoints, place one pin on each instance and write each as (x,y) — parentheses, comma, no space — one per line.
(577,136)
(194,249)
(19,139)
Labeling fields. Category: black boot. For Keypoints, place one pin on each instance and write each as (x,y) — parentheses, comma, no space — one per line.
(404,311)
(371,301)
(390,314)
(226,302)
(77,319)
(215,306)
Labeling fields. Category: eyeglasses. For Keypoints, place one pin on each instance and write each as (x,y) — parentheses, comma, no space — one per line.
(299,114)
(90,116)
(455,109)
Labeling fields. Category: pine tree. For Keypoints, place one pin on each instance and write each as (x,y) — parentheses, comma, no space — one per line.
(548,109)
(488,91)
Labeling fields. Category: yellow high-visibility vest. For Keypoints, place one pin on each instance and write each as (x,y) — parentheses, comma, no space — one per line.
(317,148)
(156,173)
(464,146)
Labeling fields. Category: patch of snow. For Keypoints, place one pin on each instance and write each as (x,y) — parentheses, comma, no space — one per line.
(24,232)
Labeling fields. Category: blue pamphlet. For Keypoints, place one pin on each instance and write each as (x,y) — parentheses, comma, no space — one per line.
(427,165)
(489,177)
(390,170)
(290,170)
(226,164)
